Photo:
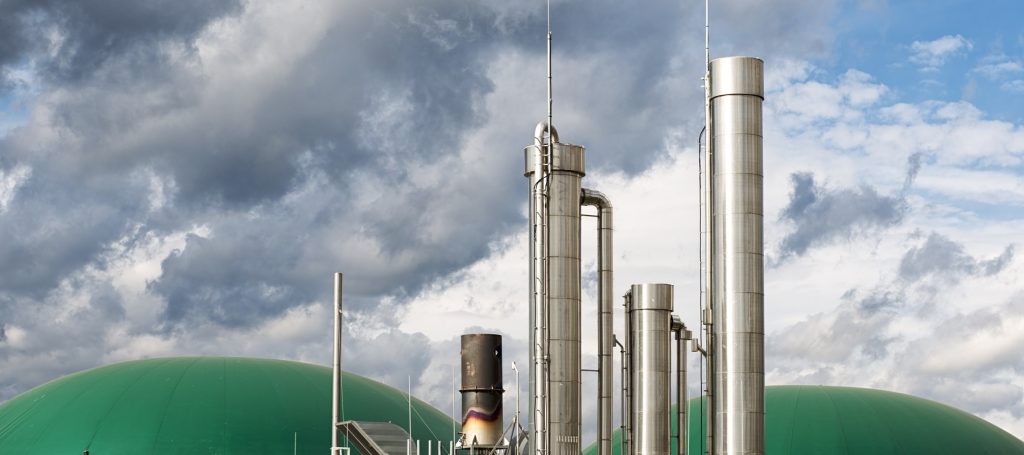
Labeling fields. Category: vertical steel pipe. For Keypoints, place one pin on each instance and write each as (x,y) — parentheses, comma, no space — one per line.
(336,397)
(627,384)
(482,421)
(682,335)
(650,313)
(737,93)
(605,295)
(536,171)
(623,434)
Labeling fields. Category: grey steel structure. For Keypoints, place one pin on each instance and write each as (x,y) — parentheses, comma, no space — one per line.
(649,313)
(482,423)
(605,338)
(736,92)
(555,171)
(682,336)
(336,390)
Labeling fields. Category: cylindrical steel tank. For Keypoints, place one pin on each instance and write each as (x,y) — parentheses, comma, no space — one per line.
(737,256)
(650,316)
(481,389)
(558,317)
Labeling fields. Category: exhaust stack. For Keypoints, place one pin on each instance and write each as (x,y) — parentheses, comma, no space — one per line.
(737,255)
(481,390)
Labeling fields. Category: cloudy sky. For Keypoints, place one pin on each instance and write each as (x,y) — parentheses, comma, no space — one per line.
(182,178)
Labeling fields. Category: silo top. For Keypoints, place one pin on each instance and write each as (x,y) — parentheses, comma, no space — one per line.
(566,157)
(737,76)
(651,296)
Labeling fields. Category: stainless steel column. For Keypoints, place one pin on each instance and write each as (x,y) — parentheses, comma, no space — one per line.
(737,92)
(561,301)
(336,391)
(537,169)
(627,365)
(650,313)
(605,338)
(682,335)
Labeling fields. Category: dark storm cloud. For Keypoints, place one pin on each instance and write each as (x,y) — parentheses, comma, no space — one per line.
(350,151)
(75,38)
(50,231)
(822,215)
(943,258)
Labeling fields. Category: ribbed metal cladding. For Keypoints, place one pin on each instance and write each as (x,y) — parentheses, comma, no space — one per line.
(481,389)
(650,317)
(737,259)
(562,310)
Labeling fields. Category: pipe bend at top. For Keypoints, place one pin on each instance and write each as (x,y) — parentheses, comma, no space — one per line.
(594,198)
(538,133)
(677,324)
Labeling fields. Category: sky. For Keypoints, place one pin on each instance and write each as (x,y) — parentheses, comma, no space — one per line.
(183,178)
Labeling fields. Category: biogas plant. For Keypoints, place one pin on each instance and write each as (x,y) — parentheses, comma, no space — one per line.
(223,405)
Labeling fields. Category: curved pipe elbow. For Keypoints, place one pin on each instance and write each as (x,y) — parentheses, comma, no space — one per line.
(594,198)
(538,133)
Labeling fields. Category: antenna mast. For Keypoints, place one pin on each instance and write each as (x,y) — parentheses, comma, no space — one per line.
(707,181)
(549,78)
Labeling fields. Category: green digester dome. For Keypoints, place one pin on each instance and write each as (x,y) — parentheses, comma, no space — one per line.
(849,420)
(201,405)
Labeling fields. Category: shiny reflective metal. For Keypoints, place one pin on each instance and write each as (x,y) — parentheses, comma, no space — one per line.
(650,315)
(605,338)
(623,404)
(682,336)
(537,171)
(737,255)
(482,422)
(555,285)
(336,390)
(627,384)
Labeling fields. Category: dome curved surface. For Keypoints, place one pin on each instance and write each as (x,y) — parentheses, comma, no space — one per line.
(201,405)
(849,420)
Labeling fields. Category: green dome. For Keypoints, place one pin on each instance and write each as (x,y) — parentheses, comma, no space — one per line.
(200,405)
(848,420)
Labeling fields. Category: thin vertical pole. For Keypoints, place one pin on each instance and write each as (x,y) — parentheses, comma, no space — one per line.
(336,402)
(410,397)
(454,418)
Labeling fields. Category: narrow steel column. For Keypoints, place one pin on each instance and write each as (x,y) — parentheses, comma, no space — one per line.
(682,335)
(623,432)
(737,345)
(650,313)
(627,384)
(536,163)
(604,317)
(336,391)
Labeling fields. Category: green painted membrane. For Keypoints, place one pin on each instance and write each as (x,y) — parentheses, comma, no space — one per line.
(846,420)
(201,405)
